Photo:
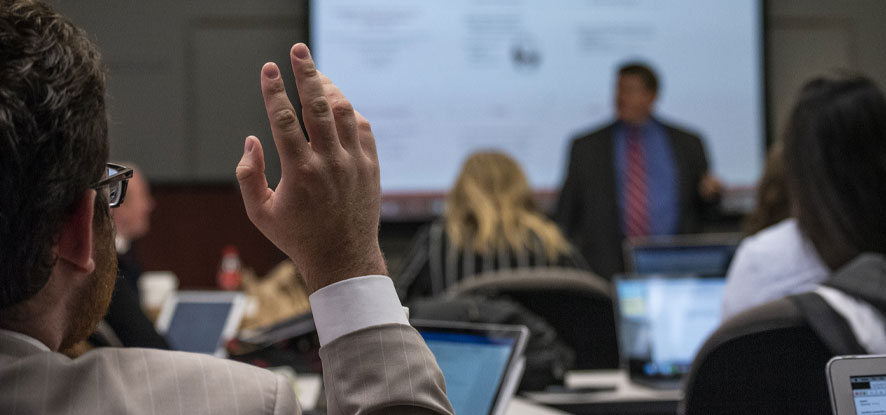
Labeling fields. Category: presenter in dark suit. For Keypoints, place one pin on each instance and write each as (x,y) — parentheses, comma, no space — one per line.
(637,176)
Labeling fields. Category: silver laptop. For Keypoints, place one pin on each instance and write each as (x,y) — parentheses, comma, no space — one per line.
(481,363)
(663,320)
(857,385)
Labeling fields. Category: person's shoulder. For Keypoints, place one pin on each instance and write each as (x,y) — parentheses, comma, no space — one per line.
(433,232)
(425,232)
(781,247)
(183,361)
(596,132)
(178,376)
(679,131)
(167,381)
(782,232)
(595,135)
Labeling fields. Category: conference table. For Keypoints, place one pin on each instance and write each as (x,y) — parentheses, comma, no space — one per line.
(607,392)
(523,406)
(591,392)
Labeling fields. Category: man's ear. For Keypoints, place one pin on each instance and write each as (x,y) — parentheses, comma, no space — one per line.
(75,237)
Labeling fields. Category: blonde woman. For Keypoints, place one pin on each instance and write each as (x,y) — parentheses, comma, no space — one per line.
(491,222)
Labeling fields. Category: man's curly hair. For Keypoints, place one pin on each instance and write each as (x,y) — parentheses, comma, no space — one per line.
(53,138)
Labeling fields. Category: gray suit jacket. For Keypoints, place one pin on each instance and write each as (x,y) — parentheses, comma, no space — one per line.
(385,369)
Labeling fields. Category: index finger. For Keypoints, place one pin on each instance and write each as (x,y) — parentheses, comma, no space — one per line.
(317,112)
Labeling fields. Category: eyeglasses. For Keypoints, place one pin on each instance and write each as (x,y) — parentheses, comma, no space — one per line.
(114,184)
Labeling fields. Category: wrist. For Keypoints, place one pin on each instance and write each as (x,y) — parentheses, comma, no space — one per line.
(342,266)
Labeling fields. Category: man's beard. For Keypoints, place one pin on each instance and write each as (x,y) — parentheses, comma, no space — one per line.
(90,307)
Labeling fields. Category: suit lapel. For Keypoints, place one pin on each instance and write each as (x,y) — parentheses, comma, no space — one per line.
(684,181)
(608,181)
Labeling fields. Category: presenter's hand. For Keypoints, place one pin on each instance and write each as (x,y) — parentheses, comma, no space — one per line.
(324,213)
(710,188)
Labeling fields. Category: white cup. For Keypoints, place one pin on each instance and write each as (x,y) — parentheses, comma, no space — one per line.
(155,287)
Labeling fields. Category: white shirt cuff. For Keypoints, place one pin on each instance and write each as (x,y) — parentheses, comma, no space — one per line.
(355,304)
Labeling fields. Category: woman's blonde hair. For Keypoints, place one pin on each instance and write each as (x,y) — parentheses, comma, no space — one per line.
(491,206)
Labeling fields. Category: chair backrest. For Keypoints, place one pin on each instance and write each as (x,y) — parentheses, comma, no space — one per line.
(577,304)
(767,360)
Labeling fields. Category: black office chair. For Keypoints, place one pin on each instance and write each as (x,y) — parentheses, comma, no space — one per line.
(769,360)
(577,304)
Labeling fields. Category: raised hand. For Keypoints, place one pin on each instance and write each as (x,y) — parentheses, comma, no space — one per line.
(324,213)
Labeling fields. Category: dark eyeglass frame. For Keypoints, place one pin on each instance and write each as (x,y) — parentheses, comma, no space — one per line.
(116,183)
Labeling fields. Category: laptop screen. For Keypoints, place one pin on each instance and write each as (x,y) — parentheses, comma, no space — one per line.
(706,260)
(201,321)
(197,327)
(663,321)
(473,365)
(869,393)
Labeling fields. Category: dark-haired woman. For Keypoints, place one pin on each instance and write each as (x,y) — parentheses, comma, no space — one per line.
(835,172)
(776,259)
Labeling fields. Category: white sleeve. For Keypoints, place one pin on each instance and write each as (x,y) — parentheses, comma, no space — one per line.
(742,290)
(355,304)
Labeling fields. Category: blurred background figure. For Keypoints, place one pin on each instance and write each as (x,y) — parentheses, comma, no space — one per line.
(126,324)
(132,221)
(772,205)
(835,167)
(491,222)
(637,176)
(835,176)
(279,295)
(776,259)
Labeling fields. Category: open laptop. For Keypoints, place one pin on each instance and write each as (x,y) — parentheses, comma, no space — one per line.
(702,254)
(201,321)
(663,320)
(482,363)
(857,385)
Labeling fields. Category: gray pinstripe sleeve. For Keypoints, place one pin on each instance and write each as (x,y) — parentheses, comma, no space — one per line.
(381,368)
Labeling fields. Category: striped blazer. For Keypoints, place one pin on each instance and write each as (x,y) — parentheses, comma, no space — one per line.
(433,265)
(384,369)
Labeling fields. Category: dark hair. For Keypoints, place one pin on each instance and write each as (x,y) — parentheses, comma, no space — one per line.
(53,138)
(773,203)
(835,167)
(650,81)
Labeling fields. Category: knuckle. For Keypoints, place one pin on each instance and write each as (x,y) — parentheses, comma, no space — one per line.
(244,172)
(343,170)
(364,126)
(308,173)
(308,70)
(367,140)
(343,109)
(339,171)
(285,118)
(365,165)
(369,175)
(276,88)
(319,106)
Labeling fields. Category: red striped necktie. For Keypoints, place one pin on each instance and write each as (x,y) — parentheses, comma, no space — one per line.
(635,187)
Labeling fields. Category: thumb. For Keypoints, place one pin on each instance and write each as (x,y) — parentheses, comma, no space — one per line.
(251,176)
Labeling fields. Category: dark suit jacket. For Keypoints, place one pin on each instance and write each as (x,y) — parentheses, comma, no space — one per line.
(588,208)
(127,322)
